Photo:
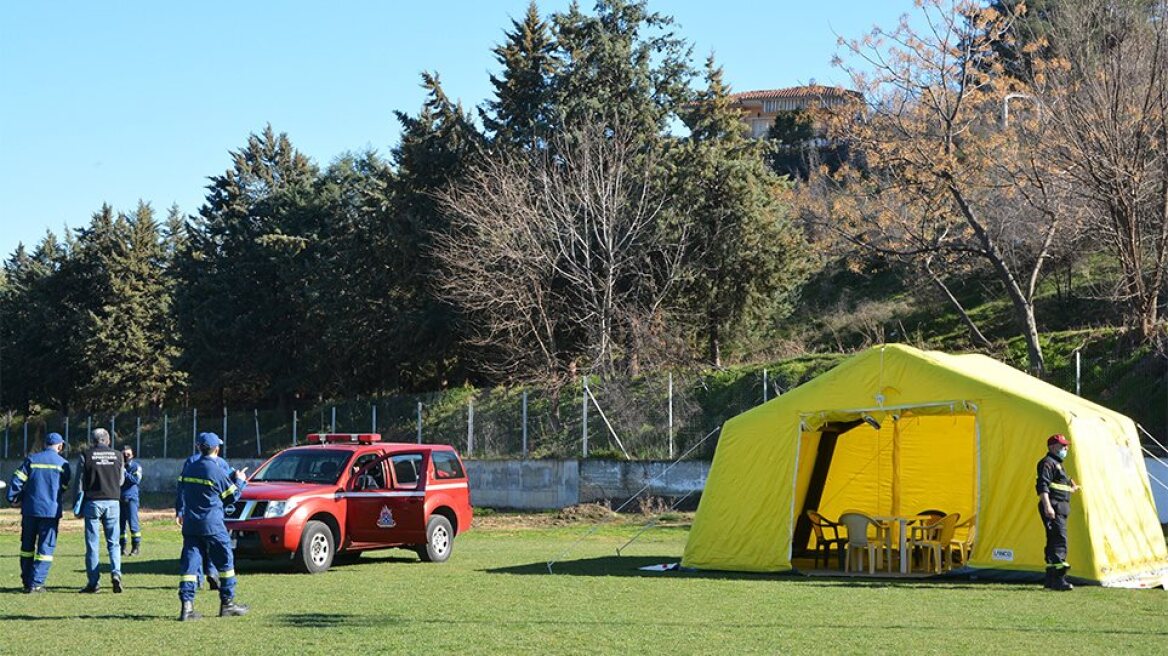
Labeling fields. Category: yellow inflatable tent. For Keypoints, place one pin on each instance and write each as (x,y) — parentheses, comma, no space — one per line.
(959,433)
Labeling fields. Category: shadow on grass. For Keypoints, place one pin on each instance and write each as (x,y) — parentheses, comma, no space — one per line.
(349,621)
(628,566)
(51,618)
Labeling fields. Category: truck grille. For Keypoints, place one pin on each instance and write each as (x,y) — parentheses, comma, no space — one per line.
(241,510)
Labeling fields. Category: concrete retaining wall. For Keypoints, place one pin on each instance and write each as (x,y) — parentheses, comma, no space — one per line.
(553,484)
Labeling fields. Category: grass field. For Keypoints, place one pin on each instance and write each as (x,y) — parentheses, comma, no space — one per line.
(495,596)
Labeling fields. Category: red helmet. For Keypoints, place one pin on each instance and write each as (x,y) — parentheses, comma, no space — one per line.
(1057,438)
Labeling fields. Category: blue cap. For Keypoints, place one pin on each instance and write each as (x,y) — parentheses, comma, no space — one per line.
(54,438)
(209,439)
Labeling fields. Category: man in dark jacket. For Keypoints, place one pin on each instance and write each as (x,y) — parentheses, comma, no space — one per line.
(99,490)
(38,486)
(1054,489)
(204,487)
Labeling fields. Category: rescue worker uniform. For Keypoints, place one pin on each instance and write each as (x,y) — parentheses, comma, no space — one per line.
(39,485)
(208,568)
(1053,480)
(129,507)
(204,488)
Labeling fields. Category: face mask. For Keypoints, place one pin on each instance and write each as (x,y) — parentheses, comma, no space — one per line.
(1062,453)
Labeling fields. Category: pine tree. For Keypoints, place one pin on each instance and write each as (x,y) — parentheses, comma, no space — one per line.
(745,258)
(520,113)
(436,148)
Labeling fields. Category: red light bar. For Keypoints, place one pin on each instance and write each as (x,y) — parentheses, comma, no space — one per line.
(343,438)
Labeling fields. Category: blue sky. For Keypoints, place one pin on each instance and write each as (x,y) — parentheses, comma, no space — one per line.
(120,101)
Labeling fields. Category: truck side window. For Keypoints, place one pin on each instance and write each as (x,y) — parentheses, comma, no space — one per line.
(446,465)
(405,469)
(372,478)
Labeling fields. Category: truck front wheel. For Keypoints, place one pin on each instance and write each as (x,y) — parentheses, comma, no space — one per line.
(317,548)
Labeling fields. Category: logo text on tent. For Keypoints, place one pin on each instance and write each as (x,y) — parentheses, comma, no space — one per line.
(1004,554)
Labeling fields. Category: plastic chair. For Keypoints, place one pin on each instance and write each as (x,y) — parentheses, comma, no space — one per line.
(936,539)
(823,544)
(858,541)
(964,547)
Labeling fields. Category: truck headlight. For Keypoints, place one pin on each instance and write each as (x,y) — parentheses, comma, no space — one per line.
(279,508)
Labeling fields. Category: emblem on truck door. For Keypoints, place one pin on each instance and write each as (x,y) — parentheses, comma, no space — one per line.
(385,519)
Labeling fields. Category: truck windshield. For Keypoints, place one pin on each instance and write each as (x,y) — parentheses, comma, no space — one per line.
(322,466)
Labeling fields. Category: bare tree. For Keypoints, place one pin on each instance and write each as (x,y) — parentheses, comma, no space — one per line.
(1106,91)
(559,256)
(944,184)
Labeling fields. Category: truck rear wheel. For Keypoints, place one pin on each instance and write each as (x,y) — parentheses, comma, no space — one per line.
(317,548)
(439,540)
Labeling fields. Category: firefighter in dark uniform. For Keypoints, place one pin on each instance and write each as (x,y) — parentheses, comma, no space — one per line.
(129,502)
(204,487)
(38,486)
(208,567)
(1054,489)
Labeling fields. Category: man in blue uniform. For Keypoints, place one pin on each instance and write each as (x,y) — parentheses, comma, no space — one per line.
(1054,489)
(203,489)
(208,568)
(38,487)
(129,503)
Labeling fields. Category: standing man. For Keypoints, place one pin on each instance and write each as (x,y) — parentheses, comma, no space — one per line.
(208,568)
(203,488)
(1054,488)
(38,487)
(129,504)
(99,491)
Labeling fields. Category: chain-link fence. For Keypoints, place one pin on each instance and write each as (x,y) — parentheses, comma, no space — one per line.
(661,415)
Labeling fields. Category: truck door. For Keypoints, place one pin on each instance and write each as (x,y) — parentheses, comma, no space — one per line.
(389,509)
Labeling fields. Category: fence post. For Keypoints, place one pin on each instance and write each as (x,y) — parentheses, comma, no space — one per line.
(224,431)
(584,415)
(671,415)
(374,419)
(525,423)
(259,449)
(419,422)
(88,426)
(66,429)
(194,429)
(333,421)
(1078,371)
(7,424)
(26,435)
(113,427)
(470,426)
(764,386)
(138,437)
(165,432)
(294,439)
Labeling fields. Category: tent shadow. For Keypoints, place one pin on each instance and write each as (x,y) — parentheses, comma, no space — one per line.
(628,566)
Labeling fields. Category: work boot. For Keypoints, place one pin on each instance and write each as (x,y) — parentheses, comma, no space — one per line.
(116,582)
(134,551)
(1060,582)
(188,612)
(125,552)
(231,609)
(212,582)
(90,589)
(1051,574)
(36,589)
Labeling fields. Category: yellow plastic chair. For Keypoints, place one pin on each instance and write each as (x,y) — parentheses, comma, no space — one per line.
(823,543)
(936,540)
(858,525)
(964,547)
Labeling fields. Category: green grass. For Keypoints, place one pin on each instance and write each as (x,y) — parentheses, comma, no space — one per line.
(495,596)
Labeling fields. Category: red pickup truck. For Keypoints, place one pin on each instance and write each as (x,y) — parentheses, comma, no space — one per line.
(347,493)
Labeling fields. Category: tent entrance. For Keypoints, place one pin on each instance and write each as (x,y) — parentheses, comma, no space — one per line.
(885,462)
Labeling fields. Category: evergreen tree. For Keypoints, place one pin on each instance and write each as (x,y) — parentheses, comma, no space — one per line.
(520,113)
(745,259)
(242,309)
(623,66)
(437,146)
(128,343)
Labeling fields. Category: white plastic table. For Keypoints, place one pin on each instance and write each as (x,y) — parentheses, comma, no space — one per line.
(904,522)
